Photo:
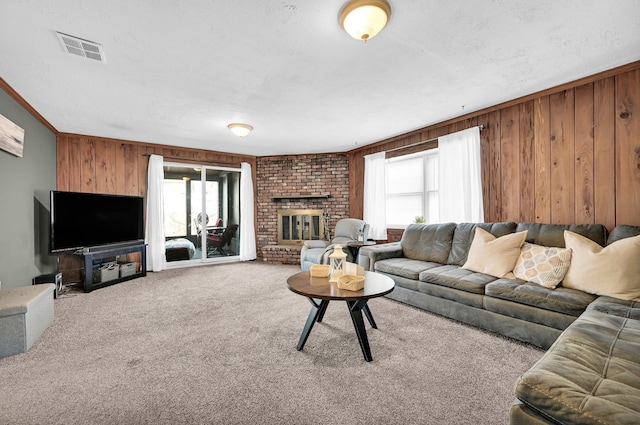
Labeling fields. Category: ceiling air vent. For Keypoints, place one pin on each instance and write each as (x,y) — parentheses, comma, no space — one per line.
(80,47)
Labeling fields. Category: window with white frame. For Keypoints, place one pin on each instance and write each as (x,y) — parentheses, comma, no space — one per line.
(412,188)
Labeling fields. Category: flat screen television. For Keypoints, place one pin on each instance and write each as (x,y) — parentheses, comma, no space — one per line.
(85,220)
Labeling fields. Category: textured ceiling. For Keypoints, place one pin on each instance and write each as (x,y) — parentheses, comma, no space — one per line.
(178,72)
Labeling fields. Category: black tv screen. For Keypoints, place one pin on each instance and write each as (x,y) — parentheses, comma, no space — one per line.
(82,220)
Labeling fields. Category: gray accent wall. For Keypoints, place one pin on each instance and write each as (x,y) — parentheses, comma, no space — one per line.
(25,184)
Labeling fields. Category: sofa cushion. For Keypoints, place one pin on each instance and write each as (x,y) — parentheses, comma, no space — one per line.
(589,375)
(553,234)
(494,256)
(428,242)
(623,231)
(622,308)
(455,277)
(561,300)
(543,265)
(530,314)
(451,294)
(463,235)
(612,271)
(404,267)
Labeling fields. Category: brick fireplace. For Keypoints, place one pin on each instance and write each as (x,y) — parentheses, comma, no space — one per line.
(297,182)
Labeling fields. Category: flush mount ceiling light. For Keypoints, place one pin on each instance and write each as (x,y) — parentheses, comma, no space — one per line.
(239,129)
(364,19)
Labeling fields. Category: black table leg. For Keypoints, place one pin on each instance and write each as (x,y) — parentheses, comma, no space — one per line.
(323,309)
(355,309)
(367,313)
(316,311)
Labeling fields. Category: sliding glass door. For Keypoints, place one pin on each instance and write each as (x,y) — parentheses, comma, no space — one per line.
(201,213)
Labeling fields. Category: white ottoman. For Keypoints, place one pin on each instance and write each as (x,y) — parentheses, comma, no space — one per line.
(25,313)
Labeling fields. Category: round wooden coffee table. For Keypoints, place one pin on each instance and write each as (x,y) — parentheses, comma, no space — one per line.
(320,291)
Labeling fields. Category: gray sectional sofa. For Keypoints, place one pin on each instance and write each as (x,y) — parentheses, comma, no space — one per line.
(590,375)
(426,263)
(591,371)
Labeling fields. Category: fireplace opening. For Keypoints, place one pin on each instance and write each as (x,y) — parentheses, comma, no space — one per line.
(297,226)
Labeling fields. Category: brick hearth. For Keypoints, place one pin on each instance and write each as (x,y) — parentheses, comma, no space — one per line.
(281,254)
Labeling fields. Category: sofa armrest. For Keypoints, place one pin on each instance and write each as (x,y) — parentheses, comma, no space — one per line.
(311,247)
(368,255)
(315,244)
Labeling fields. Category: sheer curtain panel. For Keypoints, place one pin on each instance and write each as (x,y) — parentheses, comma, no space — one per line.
(375,196)
(460,177)
(154,239)
(247,216)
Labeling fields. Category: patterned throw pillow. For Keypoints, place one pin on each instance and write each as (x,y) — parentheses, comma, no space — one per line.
(543,265)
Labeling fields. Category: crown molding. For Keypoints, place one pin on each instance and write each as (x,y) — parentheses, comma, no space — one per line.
(14,94)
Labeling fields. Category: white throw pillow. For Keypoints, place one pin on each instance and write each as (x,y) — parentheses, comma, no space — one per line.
(613,270)
(494,256)
(543,265)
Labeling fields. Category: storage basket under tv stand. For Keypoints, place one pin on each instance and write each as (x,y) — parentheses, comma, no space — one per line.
(102,255)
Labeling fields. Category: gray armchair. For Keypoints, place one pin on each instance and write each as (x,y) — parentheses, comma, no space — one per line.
(317,252)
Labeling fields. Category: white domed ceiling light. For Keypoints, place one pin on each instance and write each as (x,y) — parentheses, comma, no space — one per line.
(364,19)
(239,129)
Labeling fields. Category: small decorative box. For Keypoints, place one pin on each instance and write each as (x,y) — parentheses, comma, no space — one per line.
(320,270)
(127,269)
(351,282)
(109,271)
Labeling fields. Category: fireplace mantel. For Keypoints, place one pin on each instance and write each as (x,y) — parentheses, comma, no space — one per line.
(317,196)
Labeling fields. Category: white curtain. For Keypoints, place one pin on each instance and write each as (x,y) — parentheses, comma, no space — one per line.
(375,195)
(154,239)
(247,216)
(460,181)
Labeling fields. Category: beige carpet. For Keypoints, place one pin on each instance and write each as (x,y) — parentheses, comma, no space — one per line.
(216,345)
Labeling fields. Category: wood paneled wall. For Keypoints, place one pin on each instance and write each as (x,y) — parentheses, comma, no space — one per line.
(565,155)
(100,165)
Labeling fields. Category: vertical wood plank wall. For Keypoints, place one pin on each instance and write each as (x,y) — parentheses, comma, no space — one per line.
(565,155)
(99,165)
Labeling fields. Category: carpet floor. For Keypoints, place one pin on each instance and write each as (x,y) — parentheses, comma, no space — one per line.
(216,345)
